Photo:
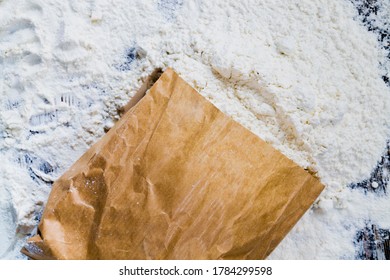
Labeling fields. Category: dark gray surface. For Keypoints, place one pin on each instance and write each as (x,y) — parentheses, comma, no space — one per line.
(372,242)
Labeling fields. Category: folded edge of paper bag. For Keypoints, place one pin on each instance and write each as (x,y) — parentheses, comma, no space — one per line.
(36,249)
(154,116)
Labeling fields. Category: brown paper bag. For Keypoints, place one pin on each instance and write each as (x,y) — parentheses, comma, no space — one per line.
(175,178)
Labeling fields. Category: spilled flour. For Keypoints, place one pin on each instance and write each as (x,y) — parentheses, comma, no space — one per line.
(303,75)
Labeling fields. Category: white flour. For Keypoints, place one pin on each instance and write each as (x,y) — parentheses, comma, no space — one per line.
(303,75)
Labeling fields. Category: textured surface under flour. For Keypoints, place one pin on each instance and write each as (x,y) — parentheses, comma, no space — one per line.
(303,75)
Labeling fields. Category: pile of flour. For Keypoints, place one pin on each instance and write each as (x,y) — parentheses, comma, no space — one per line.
(303,75)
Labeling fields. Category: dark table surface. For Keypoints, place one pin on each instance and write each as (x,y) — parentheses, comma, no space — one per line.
(373,242)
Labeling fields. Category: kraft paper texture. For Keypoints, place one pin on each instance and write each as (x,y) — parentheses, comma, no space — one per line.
(175,178)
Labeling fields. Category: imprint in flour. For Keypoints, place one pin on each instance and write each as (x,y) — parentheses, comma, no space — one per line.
(13,102)
(69,99)
(18,64)
(70,51)
(24,63)
(32,59)
(169,8)
(263,103)
(34,8)
(40,170)
(44,118)
(131,55)
(260,99)
(21,31)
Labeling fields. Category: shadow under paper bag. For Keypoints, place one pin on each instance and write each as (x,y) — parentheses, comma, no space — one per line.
(175,178)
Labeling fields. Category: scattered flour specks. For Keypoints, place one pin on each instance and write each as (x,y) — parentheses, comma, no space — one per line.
(303,75)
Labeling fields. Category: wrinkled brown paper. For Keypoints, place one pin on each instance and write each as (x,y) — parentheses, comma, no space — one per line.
(175,178)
